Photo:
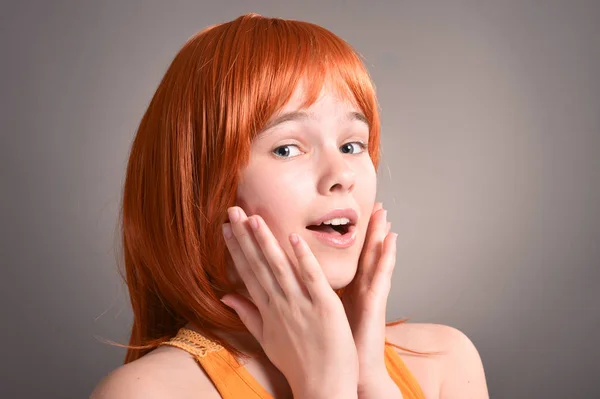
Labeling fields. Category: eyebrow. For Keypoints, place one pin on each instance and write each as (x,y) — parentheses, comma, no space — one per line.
(302,116)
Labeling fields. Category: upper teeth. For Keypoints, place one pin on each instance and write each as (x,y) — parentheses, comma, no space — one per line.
(337,221)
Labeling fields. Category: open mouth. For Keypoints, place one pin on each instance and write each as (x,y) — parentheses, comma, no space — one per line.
(339,230)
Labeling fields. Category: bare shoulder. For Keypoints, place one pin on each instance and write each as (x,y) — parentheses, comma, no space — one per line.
(456,372)
(166,372)
(420,337)
(464,375)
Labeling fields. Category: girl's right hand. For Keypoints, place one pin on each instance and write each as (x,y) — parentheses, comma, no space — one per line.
(296,317)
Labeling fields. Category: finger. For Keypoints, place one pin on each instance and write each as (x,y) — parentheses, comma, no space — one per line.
(253,253)
(281,266)
(375,235)
(310,271)
(382,279)
(387,228)
(376,207)
(242,266)
(247,312)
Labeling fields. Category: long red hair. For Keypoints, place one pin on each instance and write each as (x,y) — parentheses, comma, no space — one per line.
(217,94)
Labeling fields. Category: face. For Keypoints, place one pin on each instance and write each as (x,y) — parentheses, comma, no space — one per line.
(305,164)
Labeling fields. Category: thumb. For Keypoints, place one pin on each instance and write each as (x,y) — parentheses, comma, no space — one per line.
(247,312)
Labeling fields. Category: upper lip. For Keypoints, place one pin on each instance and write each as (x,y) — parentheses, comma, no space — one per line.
(337,213)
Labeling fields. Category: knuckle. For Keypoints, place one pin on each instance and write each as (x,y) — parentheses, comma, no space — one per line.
(278,269)
(241,233)
(257,267)
(310,275)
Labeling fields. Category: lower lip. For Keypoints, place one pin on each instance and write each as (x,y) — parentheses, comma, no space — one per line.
(337,241)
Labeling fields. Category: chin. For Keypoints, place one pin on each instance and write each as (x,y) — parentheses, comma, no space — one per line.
(337,286)
(339,272)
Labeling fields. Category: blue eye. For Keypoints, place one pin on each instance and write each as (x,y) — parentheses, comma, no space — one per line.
(352,148)
(283,151)
(348,146)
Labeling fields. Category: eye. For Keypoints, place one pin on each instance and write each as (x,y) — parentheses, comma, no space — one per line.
(348,149)
(283,151)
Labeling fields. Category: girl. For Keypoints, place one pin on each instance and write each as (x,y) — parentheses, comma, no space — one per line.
(257,261)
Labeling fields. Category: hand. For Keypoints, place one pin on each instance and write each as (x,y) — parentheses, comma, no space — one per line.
(365,298)
(296,317)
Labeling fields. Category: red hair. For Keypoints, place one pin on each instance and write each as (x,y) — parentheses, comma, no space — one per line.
(217,94)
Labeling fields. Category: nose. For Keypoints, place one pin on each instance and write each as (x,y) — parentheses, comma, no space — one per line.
(337,175)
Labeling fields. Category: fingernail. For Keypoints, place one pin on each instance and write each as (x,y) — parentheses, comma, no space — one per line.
(385,214)
(227,230)
(294,238)
(225,302)
(254,223)
(234,214)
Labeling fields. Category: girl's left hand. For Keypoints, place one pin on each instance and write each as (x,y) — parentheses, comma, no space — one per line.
(365,298)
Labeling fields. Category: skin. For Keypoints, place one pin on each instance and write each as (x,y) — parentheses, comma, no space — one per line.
(313,178)
(306,163)
(315,174)
(317,178)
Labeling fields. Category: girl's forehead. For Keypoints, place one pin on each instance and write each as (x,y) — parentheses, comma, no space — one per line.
(328,98)
(311,115)
(311,101)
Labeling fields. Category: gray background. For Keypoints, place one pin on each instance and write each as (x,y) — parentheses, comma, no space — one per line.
(490,172)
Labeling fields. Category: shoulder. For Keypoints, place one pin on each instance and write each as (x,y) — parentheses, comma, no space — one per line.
(458,368)
(462,366)
(420,337)
(165,372)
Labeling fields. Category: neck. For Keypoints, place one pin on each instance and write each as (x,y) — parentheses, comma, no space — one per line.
(242,341)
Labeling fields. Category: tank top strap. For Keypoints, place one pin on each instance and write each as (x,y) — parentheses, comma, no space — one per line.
(231,379)
(194,343)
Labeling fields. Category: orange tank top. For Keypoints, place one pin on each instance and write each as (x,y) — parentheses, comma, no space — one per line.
(233,381)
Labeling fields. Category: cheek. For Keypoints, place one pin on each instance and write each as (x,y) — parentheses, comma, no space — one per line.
(371,179)
(275,195)
(365,198)
(278,204)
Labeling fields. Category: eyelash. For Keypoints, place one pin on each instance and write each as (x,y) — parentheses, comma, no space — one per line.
(362,146)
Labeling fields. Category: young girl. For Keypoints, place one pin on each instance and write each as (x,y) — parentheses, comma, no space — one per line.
(258,263)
